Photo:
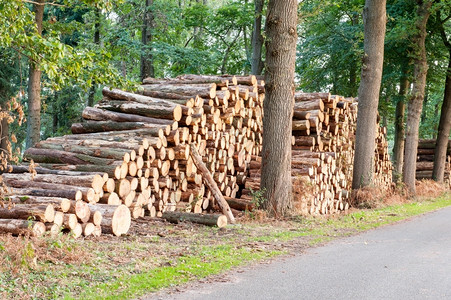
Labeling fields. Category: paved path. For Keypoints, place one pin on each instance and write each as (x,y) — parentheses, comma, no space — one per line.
(408,260)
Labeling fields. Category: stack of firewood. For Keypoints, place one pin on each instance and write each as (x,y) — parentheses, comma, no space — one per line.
(323,151)
(133,150)
(58,200)
(425,160)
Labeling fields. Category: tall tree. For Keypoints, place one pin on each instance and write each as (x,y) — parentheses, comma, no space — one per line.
(281,41)
(445,116)
(415,104)
(398,148)
(34,86)
(147,69)
(374,19)
(97,13)
(257,39)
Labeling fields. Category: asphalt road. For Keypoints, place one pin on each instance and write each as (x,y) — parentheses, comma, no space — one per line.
(408,260)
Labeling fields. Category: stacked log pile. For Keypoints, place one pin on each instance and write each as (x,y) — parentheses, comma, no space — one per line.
(425,160)
(132,151)
(58,200)
(323,151)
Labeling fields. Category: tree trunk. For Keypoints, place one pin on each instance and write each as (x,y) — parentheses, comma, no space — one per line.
(444,126)
(147,69)
(374,16)
(281,30)
(415,104)
(398,148)
(4,137)
(92,90)
(34,87)
(257,39)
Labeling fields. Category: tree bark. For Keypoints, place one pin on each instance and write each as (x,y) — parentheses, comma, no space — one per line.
(374,16)
(257,39)
(415,104)
(398,148)
(4,137)
(281,31)
(147,69)
(34,87)
(444,126)
(92,90)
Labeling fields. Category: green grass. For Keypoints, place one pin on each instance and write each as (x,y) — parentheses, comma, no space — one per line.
(208,261)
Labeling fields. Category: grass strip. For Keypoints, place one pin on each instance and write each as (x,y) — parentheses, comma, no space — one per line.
(208,262)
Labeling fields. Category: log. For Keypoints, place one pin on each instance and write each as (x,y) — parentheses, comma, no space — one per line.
(70,221)
(44,213)
(30,192)
(22,227)
(102,126)
(61,204)
(81,210)
(132,136)
(211,184)
(166,95)
(40,155)
(39,170)
(52,229)
(84,180)
(115,219)
(239,204)
(204,219)
(202,90)
(91,113)
(310,105)
(88,229)
(111,153)
(80,192)
(154,107)
(299,96)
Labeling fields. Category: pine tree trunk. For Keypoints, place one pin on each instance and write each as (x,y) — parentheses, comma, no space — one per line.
(34,88)
(257,39)
(415,104)
(281,31)
(443,129)
(374,16)
(398,148)
(147,69)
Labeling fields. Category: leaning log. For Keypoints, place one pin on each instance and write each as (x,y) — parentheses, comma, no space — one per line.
(211,184)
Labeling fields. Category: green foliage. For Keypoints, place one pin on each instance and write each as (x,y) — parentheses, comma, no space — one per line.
(331,42)
(258,197)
